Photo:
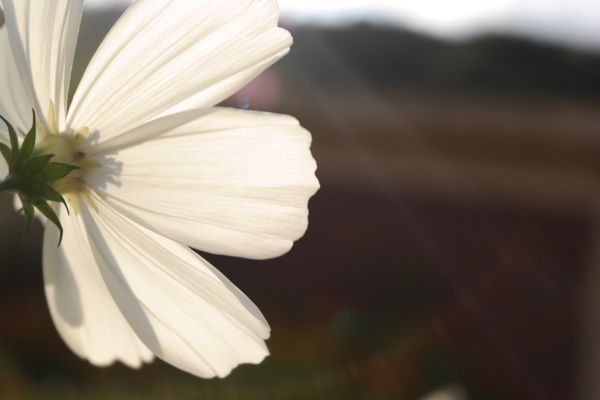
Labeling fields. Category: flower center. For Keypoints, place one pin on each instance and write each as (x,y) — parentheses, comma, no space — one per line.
(68,148)
(39,172)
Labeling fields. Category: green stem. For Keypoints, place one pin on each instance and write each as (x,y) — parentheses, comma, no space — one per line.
(10,183)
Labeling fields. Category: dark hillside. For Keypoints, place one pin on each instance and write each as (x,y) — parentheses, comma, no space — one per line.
(391,57)
(386,57)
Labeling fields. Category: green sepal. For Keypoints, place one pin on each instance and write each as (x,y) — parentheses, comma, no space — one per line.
(29,141)
(50,214)
(29,213)
(56,171)
(6,153)
(47,192)
(36,165)
(14,140)
(31,176)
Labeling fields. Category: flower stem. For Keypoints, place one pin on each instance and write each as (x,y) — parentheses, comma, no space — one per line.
(10,183)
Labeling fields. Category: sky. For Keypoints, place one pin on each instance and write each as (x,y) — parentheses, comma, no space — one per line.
(573,22)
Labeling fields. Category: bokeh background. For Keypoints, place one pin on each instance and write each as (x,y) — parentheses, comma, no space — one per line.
(454,244)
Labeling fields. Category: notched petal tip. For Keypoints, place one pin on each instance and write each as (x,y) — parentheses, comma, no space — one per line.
(178,305)
(103,362)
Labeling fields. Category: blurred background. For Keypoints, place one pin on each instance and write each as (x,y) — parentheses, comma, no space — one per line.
(454,246)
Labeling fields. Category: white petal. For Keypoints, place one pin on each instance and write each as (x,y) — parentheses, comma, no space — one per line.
(232,182)
(166,56)
(186,312)
(43,36)
(15,105)
(83,310)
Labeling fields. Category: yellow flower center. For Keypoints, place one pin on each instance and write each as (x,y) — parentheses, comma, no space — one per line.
(68,148)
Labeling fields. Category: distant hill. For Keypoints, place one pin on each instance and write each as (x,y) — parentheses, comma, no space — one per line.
(386,57)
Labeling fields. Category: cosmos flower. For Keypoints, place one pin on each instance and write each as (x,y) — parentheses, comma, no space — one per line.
(160,168)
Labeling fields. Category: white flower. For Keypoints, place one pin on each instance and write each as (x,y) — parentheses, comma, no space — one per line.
(161,168)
